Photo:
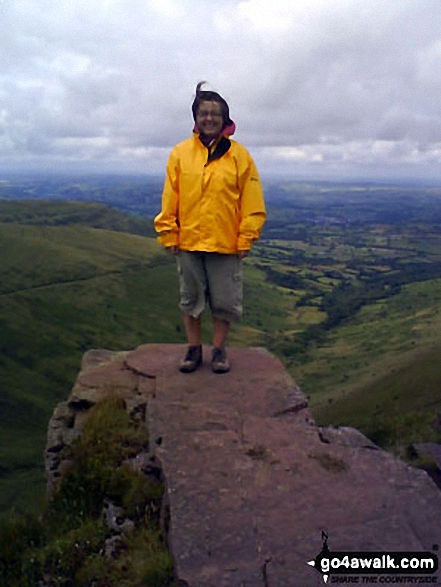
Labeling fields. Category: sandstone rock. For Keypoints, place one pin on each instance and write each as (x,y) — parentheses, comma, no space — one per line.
(100,357)
(251,480)
(346,436)
(113,546)
(429,449)
(103,374)
(116,519)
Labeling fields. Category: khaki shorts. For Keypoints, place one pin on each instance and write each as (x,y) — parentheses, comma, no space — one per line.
(212,278)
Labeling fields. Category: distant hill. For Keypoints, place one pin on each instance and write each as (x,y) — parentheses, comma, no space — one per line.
(62,213)
(139,195)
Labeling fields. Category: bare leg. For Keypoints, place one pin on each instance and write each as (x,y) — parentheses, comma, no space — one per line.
(192,329)
(220,332)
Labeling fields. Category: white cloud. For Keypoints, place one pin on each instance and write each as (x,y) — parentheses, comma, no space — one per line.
(333,84)
(168,8)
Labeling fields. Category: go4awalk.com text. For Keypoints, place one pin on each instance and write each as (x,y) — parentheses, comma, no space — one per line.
(382,568)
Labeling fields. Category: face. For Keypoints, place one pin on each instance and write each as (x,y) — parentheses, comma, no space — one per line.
(209,119)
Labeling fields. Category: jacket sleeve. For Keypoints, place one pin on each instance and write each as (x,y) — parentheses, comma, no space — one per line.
(252,207)
(167,221)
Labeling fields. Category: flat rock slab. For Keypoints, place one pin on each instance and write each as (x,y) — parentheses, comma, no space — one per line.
(252,481)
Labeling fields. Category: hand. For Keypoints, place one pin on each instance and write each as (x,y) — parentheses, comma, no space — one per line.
(242,254)
(174,250)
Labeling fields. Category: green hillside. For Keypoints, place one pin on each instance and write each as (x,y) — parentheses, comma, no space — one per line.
(65,287)
(68,288)
(382,369)
(63,291)
(357,325)
(66,213)
(402,405)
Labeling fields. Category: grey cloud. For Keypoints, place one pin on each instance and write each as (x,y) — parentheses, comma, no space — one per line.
(329,79)
(346,78)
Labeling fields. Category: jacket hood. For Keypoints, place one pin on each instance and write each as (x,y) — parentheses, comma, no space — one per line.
(228,127)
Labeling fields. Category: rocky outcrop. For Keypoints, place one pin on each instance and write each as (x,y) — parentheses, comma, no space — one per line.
(252,481)
(103,373)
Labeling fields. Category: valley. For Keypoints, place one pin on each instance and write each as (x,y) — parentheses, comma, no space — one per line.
(344,286)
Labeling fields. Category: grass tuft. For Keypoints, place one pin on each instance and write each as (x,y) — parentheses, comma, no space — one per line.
(65,547)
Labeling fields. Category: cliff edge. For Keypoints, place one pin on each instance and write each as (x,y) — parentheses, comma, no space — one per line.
(251,480)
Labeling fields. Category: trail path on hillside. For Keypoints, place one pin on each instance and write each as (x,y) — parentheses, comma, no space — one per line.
(85,279)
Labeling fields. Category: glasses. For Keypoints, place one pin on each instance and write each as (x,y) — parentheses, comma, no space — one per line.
(207,113)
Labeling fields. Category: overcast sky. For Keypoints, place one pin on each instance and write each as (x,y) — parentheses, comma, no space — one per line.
(317,88)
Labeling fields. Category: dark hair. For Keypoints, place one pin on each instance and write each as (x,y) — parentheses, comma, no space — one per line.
(208,96)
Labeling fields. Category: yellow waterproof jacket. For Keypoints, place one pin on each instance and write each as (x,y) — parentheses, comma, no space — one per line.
(212,201)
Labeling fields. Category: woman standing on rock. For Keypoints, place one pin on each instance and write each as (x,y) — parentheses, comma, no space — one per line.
(212,212)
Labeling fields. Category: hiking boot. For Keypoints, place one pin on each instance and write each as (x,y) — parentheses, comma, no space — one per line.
(193,359)
(219,361)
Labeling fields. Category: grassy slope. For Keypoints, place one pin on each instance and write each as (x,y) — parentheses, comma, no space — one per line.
(64,290)
(65,213)
(381,371)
